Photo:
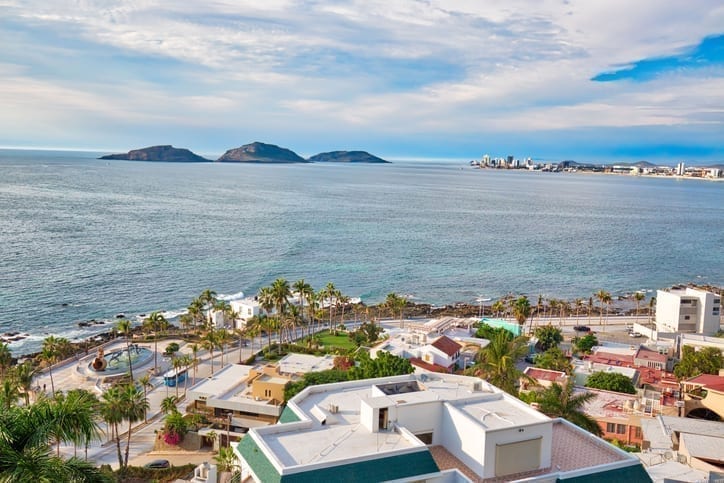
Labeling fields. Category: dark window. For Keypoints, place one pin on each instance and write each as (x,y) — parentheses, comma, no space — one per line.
(425,437)
(620,429)
(637,432)
(687,317)
(610,428)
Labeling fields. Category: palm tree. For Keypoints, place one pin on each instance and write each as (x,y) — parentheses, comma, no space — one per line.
(638,297)
(124,326)
(134,406)
(194,352)
(23,374)
(52,349)
(521,311)
(496,362)
(226,462)
(73,416)
(560,402)
(603,297)
(168,404)
(196,311)
(652,304)
(223,338)
(579,305)
(186,361)
(564,308)
(6,359)
(177,365)
(208,299)
(145,382)
(590,309)
(304,291)
(497,307)
(280,293)
(329,293)
(210,342)
(9,394)
(25,449)
(156,322)
(110,409)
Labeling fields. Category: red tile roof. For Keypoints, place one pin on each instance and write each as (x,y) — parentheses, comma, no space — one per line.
(415,361)
(543,374)
(447,345)
(611,359)
(707,380)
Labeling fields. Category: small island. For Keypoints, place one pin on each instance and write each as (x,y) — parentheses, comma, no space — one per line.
(165,153)
(257,152)
(346,157)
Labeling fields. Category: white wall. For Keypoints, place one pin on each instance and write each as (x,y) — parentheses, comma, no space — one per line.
(520,433)
(463,437)
(667,311)
(422,418)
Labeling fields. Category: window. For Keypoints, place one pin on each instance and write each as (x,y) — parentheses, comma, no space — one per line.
(620,429)
(610,428)
(267,393)
(687,317)
(717,301)
(637,433)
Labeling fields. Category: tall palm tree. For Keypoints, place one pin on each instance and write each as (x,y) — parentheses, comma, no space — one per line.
(177,364)
(560,402)
(196,311)
(168,404)
(6,359)
(223,337)
(241,333)
(565,308)
(497,307)
(134,406)
(638,297)
(329,292)
(23,375)
(52,349)
(111,412)
(496,362)
(208,299)
(303,290)
(210,342)
(145,382)
(124,326)
(590,309)
(521,311)
(602,297)
(579,305)
(25,453)
(9,393)
(186,361)
(74,416)
(194,354)
(280,293)
(156,322)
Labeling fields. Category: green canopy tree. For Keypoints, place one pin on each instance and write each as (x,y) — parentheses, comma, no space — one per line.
(548,336)
(704,361)
(496,362)
(521,310)
(611,381)
(586,343)
(554,359)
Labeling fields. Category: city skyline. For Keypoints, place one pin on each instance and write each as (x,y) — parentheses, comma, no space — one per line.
(403,79)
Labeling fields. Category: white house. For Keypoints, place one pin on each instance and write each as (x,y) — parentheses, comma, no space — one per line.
(443,352)
(424,428)
(689,310)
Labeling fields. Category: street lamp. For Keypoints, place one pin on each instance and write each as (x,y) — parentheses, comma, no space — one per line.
(228,428)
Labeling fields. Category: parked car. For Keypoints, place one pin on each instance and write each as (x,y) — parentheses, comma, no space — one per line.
(582,328)
(635,334)
(157,464)
(530,358)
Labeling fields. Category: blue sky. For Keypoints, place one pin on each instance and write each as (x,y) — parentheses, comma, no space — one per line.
(598,81)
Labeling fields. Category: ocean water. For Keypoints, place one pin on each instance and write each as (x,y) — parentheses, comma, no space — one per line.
(82,238)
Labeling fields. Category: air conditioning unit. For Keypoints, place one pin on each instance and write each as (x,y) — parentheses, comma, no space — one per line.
(478,386)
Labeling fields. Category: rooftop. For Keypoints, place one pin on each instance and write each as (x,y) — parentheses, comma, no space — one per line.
(294,363)
(707,448)
(609,404)
(222,381)
(543,374)
(500,413)
(647,354)
(707,380)
(447,345)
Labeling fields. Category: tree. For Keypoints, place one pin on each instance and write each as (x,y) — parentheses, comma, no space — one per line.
(168,404)
(497,307)
(6,359)
(195,355)
(553,359)
(210,342)
(53,348)
(134,406)
(395,303)
(488,332)
(586,343)
(652,304)
(304,292)
(110,409)
(521,310)
(223,338)
(385,364)
(705,361)
(266,302)
(611,381)
(156,322)
(73,414)
(604,298)
(638,297)
(196,311)
(560,402)
(9,393)
(496,362)
(145,382)
(548,337)
(208,299)
(23,375)
(226,462)
(124,327)
(25,454)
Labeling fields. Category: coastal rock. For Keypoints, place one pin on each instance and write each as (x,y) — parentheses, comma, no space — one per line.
(166,153)
(346,157)
(260,153)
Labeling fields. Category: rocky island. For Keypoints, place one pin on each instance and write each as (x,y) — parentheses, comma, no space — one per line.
(260,153)
(346,157)
(165,153)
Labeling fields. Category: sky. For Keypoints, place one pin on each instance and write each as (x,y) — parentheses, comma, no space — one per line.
(456,79)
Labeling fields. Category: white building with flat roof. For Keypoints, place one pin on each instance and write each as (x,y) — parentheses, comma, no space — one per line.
(688,310)
(425,427)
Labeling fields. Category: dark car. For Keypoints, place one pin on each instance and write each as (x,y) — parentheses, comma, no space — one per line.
(157,464)
(582,328)
(530,358)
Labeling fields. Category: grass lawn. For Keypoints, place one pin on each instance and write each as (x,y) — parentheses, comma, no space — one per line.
(341,341)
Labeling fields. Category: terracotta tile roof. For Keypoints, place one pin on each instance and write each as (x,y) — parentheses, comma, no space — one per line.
(611,359)
(447,345)
(416,361)
(543,374)
(707,380)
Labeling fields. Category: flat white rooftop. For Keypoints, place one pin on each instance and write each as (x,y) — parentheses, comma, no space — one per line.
(222,381)
(500,413)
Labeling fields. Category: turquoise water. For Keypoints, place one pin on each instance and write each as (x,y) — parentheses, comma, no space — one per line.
(131,237)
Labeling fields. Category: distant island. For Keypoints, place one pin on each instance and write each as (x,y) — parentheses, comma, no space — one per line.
(166,153)
(346,157)
(257,152)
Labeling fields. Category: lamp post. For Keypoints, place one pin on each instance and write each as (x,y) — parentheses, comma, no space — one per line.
(228,429)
